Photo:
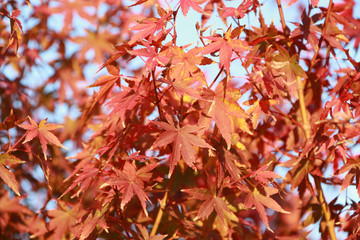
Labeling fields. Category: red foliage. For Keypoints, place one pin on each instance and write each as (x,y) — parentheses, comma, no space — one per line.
(231,137)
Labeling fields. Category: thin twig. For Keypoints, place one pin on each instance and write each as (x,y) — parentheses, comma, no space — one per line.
(217,76)
(156,96)
(162,206)
(283,24)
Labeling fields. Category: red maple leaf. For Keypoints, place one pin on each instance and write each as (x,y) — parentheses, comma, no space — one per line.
(154,59)
(259,200)
(64,219)
(145,234)
(12,212)
(130,182)
(42,131)
(263,175)
(211,202)
(106,83)
(184,141)
(226,112)
(68,8)
(238,12)
(186,4)
(128,98)
(352,167)
(184,65)
(97,217)
(149,27)
(6,175)
(226,45)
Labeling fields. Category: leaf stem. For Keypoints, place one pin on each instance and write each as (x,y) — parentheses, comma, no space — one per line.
(11,148)
(217,76)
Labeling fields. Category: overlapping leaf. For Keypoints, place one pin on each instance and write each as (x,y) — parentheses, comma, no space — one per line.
(211,203)
(225,45)
(183,140)
(130,182)
(6,175)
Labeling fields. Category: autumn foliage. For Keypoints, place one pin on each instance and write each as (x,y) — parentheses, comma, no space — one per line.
(250,132)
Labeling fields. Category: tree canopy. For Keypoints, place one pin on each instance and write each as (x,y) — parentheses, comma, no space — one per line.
(250,132)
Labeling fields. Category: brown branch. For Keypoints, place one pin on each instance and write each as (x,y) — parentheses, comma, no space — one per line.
(162,205)
(217,76)
(283,24)
(157,97)
(325,209)
(306,125)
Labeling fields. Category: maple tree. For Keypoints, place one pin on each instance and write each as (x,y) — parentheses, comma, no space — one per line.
(239,135)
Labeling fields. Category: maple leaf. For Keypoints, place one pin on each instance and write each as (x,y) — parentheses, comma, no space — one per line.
(231,162)
(154,59)
(145,234)
(16,29)
(84,179)
(260,106)
(186,4)
(263,175)
(184,141)
(128,98)
(106,83)
(287,69)
(64,219)
(315,2)
(99,42)
(97,217)
(180,88)
(12,213)
(6,175)
(353,168)
(237,12)
(130,181)
(259,200)
(226,45)
(42,131)
(149,27)
(226,112)
(9,121)
(184,67)
(211,203)
(68,8)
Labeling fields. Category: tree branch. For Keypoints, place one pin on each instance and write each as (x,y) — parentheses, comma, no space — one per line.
(321,198)
(283,24)
(162,206)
